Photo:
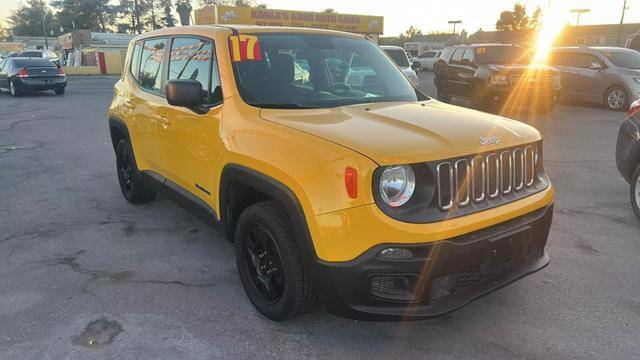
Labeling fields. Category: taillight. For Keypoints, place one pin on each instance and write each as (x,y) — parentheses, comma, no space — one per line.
(23,73)
(351,182)
(61,72)
(635,107)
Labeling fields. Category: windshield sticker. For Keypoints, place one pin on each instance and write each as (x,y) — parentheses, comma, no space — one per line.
(244,47)
(481,51)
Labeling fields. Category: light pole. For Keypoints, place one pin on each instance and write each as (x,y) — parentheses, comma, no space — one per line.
(579,12)
(454,22)
(624,8)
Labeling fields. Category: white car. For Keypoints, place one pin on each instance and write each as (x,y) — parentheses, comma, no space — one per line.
(402,60)
(426,60)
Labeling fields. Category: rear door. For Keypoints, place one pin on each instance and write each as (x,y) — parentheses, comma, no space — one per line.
(568,63)
(190,142)
(454,80)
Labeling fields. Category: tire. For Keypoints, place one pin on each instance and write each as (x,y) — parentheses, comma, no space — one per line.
(14,89)
(442,92)
(616,98)
(60,91)
(635,191)
(270,264)
(131,185)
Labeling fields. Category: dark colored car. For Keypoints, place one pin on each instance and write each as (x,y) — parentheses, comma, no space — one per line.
(440,66)
(628,154)
(491,75)
(19,75)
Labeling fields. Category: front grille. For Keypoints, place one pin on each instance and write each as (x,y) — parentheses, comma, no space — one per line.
(466,181)
(529,80)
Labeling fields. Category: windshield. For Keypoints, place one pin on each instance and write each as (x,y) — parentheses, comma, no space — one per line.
(33,63)
(629,59)
(501,55)
(36,54)
(399,56)
(317,71)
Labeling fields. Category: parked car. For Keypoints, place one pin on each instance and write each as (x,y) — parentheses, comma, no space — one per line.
(401,58)
(490,74)
(44,54)
(633,42)
(628,154)
(426,60)
(20,75)
(603,75)
(342,191)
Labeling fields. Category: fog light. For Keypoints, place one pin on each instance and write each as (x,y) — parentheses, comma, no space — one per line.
(396,253)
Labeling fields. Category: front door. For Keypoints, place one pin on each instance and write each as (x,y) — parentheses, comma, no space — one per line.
(190,141)
(144,101)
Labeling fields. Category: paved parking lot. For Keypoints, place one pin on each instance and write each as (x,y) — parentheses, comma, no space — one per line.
(85,275)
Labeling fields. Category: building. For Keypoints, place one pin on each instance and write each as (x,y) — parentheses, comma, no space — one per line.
(422,43)
(91,52)
(518,37)
(597,35)
(371,26)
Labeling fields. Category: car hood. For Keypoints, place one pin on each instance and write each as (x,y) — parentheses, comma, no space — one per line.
(402,132)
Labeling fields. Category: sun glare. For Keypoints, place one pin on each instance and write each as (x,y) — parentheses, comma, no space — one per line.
(551,27)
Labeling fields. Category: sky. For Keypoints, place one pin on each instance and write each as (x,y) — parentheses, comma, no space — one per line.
(432,15)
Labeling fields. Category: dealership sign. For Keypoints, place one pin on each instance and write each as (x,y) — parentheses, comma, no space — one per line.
(363,24)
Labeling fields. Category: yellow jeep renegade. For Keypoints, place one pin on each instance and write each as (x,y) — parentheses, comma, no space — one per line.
(333,176)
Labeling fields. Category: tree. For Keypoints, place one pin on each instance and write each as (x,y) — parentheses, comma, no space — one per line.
(534,23)
(411,33)
(151,18)
(32,19)
(129,17)
(516,19)
(4,33)
(167,18)
(184,8)
(95,15)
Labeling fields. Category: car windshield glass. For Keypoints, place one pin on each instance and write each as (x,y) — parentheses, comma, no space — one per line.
(37,54)
(501,55)
(315,71)
(33,63)
(398,56)
(629,59)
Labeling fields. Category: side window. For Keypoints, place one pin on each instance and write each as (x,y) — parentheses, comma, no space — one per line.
(587,59)
(468,54)
(150,76)
(457,55)
(191,58)
(135,60)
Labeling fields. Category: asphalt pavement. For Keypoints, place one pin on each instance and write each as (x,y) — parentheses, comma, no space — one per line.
(85,275)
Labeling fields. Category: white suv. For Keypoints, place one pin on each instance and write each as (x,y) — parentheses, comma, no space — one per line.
(426,60)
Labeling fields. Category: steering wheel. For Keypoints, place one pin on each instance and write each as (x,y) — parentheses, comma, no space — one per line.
(340,86)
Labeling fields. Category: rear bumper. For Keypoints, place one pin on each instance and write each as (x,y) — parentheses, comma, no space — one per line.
(441,277)
(43,84)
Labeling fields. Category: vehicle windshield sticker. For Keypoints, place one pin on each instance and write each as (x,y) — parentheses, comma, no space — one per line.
(244,47)
(481,51)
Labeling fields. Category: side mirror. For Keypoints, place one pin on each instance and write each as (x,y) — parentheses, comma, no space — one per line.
(596,65)
(185,93)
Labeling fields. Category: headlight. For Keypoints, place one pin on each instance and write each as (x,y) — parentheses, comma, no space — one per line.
(501,79)
(397,184)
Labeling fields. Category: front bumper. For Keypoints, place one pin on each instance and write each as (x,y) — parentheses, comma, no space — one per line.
(520,96)
(441,277)
(628,148)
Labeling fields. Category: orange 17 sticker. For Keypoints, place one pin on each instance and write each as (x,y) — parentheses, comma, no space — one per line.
(244,47)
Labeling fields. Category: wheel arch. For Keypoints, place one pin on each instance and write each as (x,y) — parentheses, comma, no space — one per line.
(241,186)
(118,130)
